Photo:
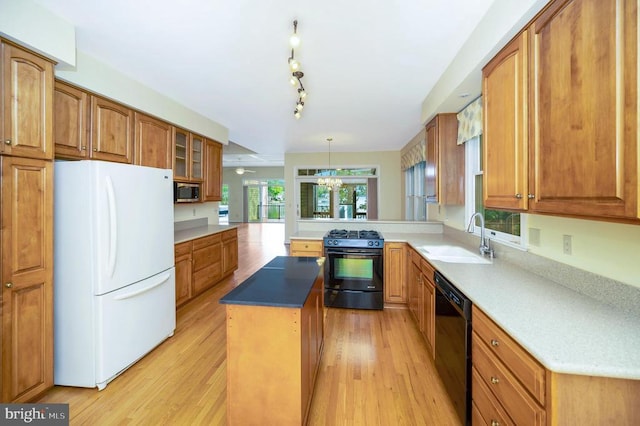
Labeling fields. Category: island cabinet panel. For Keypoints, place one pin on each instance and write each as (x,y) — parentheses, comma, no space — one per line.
(273,355)
(395,288)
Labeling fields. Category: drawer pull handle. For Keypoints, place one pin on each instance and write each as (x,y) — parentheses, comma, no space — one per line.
(494,342)
(495,423)
(495,380)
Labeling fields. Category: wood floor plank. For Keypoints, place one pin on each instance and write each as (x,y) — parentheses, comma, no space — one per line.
(375,368)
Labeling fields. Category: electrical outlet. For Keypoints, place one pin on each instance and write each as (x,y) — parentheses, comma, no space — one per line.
(566,244)
(194,212)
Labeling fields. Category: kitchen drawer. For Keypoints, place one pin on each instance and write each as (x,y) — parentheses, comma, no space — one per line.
(427,269)
(490,410)
(206,241)
(229,235)
(306,246)
(206,256)
(182,248)
(528,371)
(206,277)
(416,257)
(516,401)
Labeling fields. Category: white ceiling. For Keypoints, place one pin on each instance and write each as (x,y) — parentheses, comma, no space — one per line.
(368,64)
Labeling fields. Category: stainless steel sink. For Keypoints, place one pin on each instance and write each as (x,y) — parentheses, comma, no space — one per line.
(452,254)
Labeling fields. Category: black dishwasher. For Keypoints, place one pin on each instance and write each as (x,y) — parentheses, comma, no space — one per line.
(453,345)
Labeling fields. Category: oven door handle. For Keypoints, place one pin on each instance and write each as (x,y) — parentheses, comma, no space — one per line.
(353,254)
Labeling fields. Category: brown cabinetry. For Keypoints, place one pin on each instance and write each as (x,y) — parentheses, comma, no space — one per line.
(444,176)
(504,88)
(27,277)
(71,122)
(229,251)
(273,355)
(203,262)
(111,131)
(153,142)
(414,285)
(310,248)
(183,261)
(213,171)
(395,264)
(26,103)
(187,152)
(560,126)
(207,262)
(428,317)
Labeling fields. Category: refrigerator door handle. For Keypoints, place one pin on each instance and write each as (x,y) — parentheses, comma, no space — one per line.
(161,280)
(113,227)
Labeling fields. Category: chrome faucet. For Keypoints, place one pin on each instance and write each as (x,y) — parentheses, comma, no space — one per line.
(485,243)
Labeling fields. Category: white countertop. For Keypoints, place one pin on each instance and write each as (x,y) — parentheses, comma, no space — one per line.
(566,331)
(198,232)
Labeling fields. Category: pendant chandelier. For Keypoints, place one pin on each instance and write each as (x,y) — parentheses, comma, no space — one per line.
(330,181)
(296,72)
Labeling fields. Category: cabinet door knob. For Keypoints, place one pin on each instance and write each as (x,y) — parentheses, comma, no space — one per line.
(494,342)
(95,149)
(495,423)
(84,148)
(495,380)
(518,196)
(532,196)
(8,285)
(7,141)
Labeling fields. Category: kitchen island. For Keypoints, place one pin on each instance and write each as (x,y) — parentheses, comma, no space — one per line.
(275,335)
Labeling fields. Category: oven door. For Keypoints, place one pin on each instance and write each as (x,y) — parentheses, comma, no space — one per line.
(353,269)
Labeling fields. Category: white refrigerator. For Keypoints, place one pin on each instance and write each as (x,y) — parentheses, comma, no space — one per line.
(114,277)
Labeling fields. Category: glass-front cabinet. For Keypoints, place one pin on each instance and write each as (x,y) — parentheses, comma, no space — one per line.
(187,164)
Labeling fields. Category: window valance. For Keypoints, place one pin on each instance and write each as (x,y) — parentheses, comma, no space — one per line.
(470,121)
(415,153)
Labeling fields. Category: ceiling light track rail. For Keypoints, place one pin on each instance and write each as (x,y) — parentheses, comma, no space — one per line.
(296,72)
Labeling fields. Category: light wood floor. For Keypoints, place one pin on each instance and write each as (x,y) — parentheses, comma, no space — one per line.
(374,370)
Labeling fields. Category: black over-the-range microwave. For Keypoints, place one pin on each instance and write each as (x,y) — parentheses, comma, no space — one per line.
(186,192)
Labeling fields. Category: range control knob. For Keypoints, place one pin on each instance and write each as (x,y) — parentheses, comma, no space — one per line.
(335,242)
(370,243)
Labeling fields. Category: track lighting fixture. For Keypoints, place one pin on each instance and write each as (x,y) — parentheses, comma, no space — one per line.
(296,72)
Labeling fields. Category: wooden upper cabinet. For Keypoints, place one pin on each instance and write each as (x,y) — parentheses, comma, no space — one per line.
(26,104)
(444,174)
(111,131)
(71,121)
(153,142)
(504,84)
(196,146)
(213,171)
(583,109)
(181,155)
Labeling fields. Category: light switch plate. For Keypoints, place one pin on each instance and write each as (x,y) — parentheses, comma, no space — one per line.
(566,244)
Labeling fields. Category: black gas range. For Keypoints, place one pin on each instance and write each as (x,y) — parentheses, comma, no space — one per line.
(353,276)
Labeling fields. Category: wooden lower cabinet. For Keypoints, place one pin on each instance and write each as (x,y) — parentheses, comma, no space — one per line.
(395,288)
(275,382)
(310,248)
(510,386)
(26,239)
(428,302)
(229,251)
(203,262)
(183,262)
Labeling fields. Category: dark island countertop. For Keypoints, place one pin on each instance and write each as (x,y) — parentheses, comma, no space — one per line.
(285,281)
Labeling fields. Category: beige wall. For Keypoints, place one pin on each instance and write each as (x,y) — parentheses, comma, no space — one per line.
(389,182)
(234,180)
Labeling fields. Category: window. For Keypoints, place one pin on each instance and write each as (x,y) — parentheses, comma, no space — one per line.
(415,203)
(355,199)
(503,226)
